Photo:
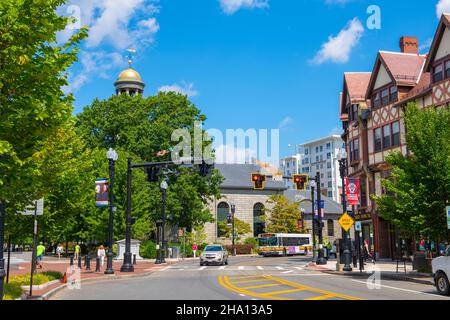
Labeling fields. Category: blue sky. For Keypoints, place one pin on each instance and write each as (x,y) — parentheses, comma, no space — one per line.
(244,63)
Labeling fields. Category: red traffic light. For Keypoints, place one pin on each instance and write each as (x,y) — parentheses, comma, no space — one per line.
(258,181)
(300,181)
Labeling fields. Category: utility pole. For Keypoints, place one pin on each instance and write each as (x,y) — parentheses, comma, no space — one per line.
(320,260)
(127,265)
(313,214)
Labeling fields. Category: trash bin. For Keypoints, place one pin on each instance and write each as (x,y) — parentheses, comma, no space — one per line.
(175,252)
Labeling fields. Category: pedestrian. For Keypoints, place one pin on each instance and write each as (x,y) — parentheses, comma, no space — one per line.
(101,253)
(59,250)
(40,252)
(368,252)
(77,252)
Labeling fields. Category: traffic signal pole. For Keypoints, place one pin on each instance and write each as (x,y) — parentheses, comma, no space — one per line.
(320,260)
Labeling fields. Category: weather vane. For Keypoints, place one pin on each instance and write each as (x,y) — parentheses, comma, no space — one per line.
(130,56)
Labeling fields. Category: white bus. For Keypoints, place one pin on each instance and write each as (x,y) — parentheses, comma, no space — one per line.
(284,244)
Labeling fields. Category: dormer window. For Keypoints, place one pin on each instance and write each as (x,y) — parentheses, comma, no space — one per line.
(354,113)
(394,92)
(438,73)
(376,100)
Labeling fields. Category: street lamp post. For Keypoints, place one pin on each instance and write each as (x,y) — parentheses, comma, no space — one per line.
(127,265)
(164,186)
(2,235)
(233,211)
(320,260)
(343,171)
(158,242)
(112,156)
(313,186)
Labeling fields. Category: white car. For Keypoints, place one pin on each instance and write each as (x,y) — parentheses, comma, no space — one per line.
(441,273)
(214,254)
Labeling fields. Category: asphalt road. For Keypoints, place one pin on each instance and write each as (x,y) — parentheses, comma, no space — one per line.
(249,279)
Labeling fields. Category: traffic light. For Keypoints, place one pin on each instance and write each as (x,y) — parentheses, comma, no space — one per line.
(258,181)
(152,174)
(300,181)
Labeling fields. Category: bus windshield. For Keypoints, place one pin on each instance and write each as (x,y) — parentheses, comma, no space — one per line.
(268,242)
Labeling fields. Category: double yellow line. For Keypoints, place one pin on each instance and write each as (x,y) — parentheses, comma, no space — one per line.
(267,281)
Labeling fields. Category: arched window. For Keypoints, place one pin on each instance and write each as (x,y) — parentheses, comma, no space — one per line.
(259,224)
(330,227)
(223,210)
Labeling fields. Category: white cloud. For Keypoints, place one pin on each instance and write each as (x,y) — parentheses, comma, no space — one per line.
(94,64)
(185,89)
(337,49)
(285,122)
(443,6)
(232,6)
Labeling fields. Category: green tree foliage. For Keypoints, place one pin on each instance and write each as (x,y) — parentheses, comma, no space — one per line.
(241,228)
(284,215)
(140,128)
(419,188)
(32,104)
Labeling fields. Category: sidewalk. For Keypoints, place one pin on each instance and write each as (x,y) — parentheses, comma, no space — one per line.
(388,270)
(142,268)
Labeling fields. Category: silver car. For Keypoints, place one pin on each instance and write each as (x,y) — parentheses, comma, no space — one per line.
(214,254)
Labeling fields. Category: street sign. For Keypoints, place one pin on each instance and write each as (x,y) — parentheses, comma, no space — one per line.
(322,209)
(448,217)
(358,226)
(29,211)
(346,222)
(101,193)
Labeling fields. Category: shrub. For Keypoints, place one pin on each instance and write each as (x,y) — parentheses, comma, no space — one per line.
(38,279)
(251,242)
(148,250)
(12,291)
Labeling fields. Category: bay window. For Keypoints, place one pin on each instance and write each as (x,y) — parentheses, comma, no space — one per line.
(378,140)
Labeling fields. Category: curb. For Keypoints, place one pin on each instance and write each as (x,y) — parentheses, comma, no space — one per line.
(48,295)
(365,274)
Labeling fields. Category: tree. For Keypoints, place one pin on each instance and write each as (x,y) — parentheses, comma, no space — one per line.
(32,103)
(142,127)
(419,187)
(284,215)
(241,228)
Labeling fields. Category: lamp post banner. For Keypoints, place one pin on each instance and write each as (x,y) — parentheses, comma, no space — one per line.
(352,191)
(101,193)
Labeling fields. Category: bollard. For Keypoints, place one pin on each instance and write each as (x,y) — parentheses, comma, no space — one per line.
(97,265)
(79,262)
(71,261)
(134,259)
(88,263)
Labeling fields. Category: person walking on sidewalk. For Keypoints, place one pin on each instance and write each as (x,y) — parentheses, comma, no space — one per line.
(77,252)
(40,251)
(101,253)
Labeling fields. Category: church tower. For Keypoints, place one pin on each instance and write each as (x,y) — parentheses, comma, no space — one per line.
(129,82)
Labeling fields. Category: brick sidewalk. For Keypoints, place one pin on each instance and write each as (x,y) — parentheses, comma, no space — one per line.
(142,268)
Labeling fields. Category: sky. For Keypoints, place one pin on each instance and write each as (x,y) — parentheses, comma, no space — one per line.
(262,64)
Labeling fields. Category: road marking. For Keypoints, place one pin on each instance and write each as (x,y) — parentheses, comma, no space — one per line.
(401,289)
(300,268)
(279,268)
(324,297)
(248,281)
(259,268)
(222,268)
(267,285)
(241,268)
(201,268)
(281,292)
(286,272)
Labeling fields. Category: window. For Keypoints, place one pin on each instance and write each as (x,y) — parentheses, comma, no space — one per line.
(330,184)
(330,194)
(306,151)
(223,210)
(447,69)
(317,149)
(321,166)
(328,146)
(387,137)
(321,148)
(354,113)
(376,100)
(321,158)
(330,175)
(317,158)
(396,134)
(438,73)
(330,227)
(393,93)
(329,165)
(362,188)
(385,96)
(354,150)
(378,140)
(329,155)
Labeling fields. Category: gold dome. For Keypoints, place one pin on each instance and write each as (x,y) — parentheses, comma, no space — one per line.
(130,74)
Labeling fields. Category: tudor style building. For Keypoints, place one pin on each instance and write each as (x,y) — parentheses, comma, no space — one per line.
(374,125)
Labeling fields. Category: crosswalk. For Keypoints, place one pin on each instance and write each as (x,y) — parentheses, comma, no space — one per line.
(238,268)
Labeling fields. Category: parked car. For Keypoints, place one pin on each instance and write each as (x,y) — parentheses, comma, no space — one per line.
(214,254)
(441,273)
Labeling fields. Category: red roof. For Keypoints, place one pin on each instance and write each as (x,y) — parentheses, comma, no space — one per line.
(421,88)
(357,84)
(405,68)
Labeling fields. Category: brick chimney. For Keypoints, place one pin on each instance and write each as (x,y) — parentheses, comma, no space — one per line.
(409,45)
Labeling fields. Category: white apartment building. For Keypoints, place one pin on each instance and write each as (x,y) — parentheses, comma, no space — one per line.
(317,156)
